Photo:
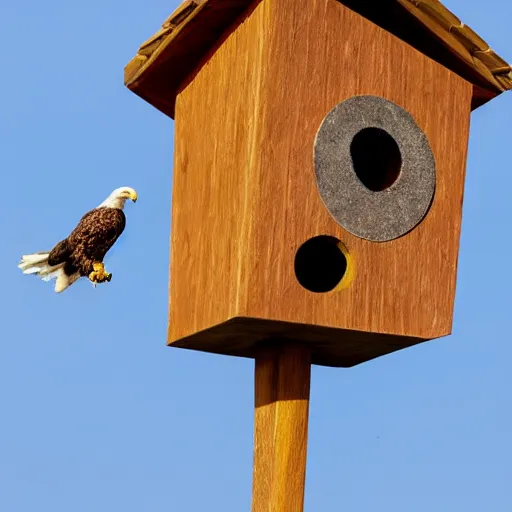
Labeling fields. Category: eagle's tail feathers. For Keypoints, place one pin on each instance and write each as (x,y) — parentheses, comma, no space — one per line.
(64,281)
(47,272)
(33,263)
(37,263)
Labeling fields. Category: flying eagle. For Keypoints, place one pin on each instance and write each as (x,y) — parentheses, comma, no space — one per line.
(81,253)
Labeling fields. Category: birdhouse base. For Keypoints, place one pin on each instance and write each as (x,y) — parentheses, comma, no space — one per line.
(329,346)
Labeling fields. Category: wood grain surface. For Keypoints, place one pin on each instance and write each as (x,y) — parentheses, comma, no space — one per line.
(282,383)
(245,197)
(216,164)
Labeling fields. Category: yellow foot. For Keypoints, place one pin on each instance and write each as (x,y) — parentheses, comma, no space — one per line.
(99,275)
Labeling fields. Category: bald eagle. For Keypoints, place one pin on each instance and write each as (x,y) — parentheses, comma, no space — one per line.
(81,253)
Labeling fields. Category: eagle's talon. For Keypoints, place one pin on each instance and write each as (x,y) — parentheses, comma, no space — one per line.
(99,275)
(94,278)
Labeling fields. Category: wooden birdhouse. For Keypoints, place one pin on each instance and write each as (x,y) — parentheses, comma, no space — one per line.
(319,161)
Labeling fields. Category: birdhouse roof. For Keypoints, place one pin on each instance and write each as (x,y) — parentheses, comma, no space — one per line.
(165,60)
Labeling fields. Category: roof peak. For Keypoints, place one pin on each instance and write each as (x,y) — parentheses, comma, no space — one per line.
(196,26)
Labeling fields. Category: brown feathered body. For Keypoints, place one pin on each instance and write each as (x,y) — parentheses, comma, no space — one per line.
(89,242)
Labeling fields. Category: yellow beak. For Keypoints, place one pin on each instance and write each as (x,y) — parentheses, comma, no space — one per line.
(132,195)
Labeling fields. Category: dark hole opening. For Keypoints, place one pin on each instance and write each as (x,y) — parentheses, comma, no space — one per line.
(320,264)
(376,158)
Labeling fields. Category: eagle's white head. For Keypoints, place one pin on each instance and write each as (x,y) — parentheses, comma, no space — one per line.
(118,197)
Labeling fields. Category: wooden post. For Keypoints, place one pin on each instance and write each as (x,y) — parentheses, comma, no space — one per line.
(282,383)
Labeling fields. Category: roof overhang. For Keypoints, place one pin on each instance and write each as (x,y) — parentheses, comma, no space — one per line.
(189,35)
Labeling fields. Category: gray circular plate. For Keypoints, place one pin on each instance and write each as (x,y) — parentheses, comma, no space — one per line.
(394,211)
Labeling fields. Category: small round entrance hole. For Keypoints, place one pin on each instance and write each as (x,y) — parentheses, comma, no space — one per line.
(376,158)
(320,264)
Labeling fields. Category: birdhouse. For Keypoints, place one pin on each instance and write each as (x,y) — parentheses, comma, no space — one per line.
(319,161)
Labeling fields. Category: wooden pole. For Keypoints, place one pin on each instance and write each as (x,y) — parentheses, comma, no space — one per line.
(282,383)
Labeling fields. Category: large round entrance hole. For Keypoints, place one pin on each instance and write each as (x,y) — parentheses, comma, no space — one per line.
(376,158)
(320,264)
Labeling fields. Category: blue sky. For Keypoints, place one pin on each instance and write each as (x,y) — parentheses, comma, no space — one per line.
(97,414)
